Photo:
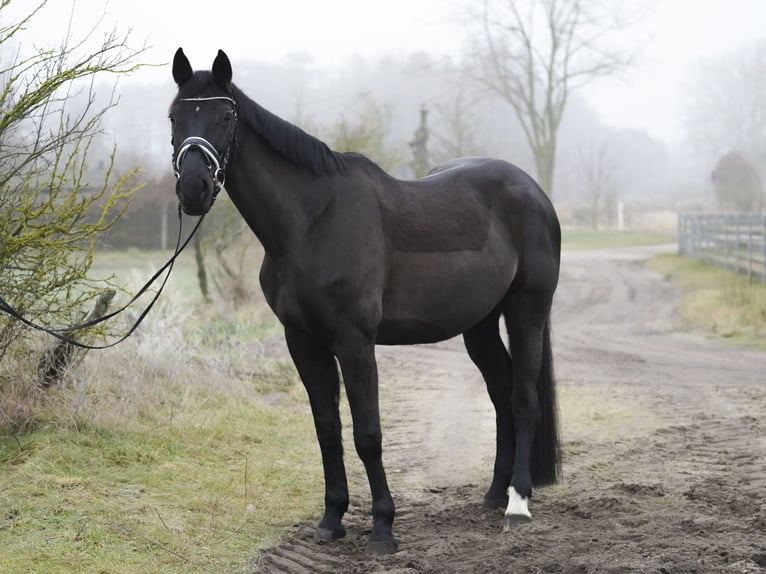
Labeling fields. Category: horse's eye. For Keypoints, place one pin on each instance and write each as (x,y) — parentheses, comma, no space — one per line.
(172,119)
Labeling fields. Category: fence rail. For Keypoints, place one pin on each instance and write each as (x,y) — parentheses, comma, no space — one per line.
(734,241)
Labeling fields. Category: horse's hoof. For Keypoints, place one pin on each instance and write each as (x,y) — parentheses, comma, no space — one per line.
(329,534)
(380,547)
(492,503)
(517,511)
(513,520)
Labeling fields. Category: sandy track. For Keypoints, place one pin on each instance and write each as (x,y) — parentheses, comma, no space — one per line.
(664,445)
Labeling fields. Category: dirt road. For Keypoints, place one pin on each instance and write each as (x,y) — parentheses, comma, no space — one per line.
(664,437)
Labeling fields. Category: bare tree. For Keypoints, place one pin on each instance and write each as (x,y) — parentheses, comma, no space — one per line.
(455,135)
(598,178)
(533,53)
(366,134)
(725,104)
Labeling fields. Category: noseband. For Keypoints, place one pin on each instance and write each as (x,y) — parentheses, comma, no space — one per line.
(216,164)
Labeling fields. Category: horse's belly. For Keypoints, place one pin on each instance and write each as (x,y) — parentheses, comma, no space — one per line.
(410,332)
(430,297)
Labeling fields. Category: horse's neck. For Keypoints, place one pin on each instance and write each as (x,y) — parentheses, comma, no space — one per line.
(275,197)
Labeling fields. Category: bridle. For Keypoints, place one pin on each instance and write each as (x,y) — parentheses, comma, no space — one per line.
(216,164)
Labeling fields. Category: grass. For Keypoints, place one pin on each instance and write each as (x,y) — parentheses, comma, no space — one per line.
(572,238)
(200,493)
(717,301)
(132,268)
(187,448)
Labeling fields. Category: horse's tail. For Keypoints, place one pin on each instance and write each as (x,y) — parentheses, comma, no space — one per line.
(545,465)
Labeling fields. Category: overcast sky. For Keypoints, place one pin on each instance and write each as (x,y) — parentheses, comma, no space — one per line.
(679,33)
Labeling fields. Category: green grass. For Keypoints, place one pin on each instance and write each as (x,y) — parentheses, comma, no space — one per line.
(717,301)
(187,448)
(603,239)
(200,492)
(132,268)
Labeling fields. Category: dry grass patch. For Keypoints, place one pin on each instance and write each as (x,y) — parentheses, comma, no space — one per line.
(185,449)
(718,301)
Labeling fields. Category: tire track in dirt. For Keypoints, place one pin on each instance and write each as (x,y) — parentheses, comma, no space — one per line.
(663,437)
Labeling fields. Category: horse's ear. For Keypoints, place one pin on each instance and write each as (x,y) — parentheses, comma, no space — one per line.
(222,70)
(182,70)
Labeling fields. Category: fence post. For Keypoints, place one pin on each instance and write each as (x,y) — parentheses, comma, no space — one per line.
(682,234)
(731,236)
(750,223)
(763,248)
(720,245)
(695,232)
(737,268)
(723,234)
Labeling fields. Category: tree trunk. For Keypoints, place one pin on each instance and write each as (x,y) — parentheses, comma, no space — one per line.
(57,359)
(199,257)
(545,164)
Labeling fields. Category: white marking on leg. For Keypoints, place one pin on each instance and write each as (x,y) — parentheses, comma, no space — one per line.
(516,504)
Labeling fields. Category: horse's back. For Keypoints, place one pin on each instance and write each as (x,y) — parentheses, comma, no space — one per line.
(488,175)
(455,240)
(513,198)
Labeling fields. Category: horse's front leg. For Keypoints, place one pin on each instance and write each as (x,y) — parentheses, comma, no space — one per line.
(356,355)
(319,373)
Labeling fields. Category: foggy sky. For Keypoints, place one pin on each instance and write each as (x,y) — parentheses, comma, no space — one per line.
(673,35)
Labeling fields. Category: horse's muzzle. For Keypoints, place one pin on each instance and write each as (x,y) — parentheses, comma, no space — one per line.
(195,193)
(195,186)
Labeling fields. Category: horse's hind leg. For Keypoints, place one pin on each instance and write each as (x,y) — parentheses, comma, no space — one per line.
(319,373)
(532,400)
(488,352)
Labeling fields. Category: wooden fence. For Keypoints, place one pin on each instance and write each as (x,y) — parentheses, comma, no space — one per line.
(734,241)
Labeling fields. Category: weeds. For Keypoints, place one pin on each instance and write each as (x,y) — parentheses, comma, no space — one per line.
(185,449)
(716,300)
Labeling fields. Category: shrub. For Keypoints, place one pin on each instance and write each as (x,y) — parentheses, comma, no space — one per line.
(51,216)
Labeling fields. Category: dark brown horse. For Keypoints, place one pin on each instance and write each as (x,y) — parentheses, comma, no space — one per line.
(355,258)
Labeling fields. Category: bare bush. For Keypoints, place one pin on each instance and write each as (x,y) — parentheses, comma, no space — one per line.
(51,216)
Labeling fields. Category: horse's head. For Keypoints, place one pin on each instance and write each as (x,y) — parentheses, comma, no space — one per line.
(203,120)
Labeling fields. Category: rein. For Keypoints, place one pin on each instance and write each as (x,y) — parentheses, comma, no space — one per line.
(61,333)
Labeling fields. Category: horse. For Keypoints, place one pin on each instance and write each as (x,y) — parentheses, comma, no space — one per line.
(355,258)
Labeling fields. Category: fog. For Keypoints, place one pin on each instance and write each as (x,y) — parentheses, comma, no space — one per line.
(319,63)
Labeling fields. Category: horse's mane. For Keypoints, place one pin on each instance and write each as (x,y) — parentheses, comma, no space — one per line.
(287,139)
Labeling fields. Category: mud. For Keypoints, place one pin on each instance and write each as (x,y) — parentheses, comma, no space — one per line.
(664,438)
